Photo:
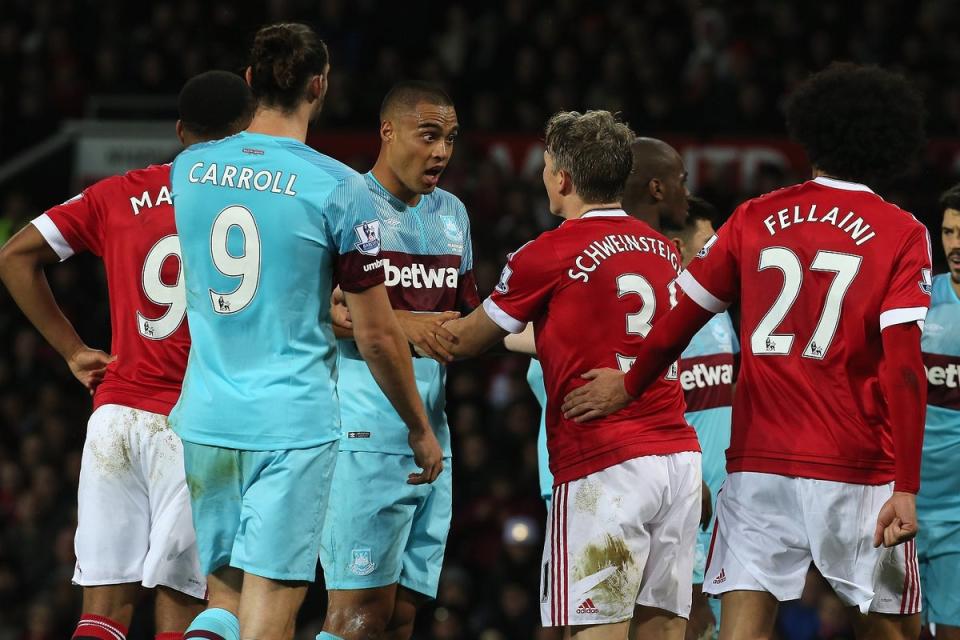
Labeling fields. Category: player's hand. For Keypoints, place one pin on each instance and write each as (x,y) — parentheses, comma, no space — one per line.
(602,396)
(339,312)
(706,506)
(423,329)
(427,454)
(89,366)
(897,521)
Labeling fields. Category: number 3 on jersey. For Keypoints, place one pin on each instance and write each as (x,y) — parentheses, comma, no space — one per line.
(639,323)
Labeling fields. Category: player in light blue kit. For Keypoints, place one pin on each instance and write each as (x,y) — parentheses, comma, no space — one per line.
(384,539)
(707,374)
(938,503)
(265,224)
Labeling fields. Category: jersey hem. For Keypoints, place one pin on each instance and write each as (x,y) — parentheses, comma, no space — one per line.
(125,400)
(212,441)
(839,471)
(621,453)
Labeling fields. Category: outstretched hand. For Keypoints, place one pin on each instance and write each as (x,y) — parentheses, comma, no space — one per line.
(89,366)
(602,396)
(897,521)
(423,329)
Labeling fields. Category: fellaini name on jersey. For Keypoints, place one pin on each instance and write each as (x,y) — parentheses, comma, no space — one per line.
(243,178)
(851,223)
(145,201)
(416,275)
(599,250)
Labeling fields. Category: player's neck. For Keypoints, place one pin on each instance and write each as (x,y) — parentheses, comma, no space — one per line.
(576,208)
(645,213)
(273,122)
(389,181)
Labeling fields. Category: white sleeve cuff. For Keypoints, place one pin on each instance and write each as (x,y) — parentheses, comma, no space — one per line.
(501,318)
(700,295)
(52,235)
(902,316)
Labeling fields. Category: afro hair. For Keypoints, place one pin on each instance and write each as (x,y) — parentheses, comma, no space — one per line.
(858,123)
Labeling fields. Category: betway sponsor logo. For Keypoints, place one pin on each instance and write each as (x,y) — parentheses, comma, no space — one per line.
(707,381)
(943,380)
(701,376)
(416,275)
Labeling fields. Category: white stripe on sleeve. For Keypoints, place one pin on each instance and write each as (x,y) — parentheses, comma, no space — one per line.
(501,318)
(700,295)
(52,235)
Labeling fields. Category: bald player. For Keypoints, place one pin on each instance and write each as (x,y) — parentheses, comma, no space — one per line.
(657,187)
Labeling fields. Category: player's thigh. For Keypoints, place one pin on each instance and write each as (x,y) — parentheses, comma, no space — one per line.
(172,559)
(215,486)
(113,507)
(283,507)
(650,622)
(422,557)
(612,631)
(405,608)
(369,519)
(598,543)
(268,608)
(882,626)
(360,613)
(759,541)
(668,573)
(747,614)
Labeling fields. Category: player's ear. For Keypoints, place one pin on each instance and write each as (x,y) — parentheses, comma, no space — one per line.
(655,187)
(248,75)
(386,131)
(566,182)
(678,243)
(180,132)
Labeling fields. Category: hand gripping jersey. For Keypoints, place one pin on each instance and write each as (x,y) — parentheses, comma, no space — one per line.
(707,374)
(939,497)
(593,288)
(535,380)
(820,269)
(128,221)
(265,224)
(428,263)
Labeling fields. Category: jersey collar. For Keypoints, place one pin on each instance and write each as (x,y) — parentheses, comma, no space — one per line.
(841,184)
(397,203)
(604,213)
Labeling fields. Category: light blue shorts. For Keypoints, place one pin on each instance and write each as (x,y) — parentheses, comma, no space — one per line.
(259,511)
(938,554)
(379,529)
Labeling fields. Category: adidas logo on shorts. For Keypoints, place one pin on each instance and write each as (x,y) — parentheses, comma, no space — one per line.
(587,606)
(720,579)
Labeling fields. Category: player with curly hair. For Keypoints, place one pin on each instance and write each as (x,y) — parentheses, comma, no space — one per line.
(834,284)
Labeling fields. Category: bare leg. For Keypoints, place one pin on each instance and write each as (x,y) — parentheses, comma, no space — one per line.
(223,589)
(405,608)
(701,615)
(615,631)
(883,626)
(656,624)
(747,615)
(175,610)
(114,601)
(360,614)
(945,632)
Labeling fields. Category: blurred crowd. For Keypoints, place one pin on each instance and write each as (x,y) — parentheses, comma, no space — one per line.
(690,67)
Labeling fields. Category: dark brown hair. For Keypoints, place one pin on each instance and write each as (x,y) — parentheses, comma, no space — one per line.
(283,59)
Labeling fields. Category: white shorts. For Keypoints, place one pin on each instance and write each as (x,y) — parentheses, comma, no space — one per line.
(134,522)
(769,529)
(621,537)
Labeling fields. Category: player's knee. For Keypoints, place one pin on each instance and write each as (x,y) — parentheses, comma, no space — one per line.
(359,622)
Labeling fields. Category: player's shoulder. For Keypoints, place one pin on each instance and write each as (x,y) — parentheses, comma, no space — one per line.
(943,291)
(445,200)
(338,171)
(133,182)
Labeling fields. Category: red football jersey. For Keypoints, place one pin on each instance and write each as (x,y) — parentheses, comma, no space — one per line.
(593,289)
(128,221)
(820,269)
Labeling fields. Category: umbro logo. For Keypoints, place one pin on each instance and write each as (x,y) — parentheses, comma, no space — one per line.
(720,579)
(587,606)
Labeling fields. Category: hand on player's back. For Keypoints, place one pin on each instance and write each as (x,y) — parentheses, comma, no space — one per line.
(604,394)
(89,366)
(339,312)
(897,521)
(422,330)
(427,454)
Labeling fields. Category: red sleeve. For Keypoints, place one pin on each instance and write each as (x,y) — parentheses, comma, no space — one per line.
(907,297)
(76,225)
(526,283)
(713,277)
(904,384)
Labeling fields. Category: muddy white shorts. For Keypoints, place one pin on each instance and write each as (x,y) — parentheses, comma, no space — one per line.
(769,529)
(621,537)
(134,522)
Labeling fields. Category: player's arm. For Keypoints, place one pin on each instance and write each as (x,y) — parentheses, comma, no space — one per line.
(384,349)
(421,329)
(472,335)
(522,342)
(22,262)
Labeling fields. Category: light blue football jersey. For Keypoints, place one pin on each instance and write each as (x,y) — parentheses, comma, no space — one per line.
(707,375)
(265,223)
(535,380)
(428,262)
(939,497)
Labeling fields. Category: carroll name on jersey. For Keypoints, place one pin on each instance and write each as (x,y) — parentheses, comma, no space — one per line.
(243,177)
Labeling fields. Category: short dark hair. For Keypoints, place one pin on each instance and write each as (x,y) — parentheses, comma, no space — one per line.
(699,209)
(215,104)
(859,123)
(594,148)
(950,199)
(408,93)
(283,58)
